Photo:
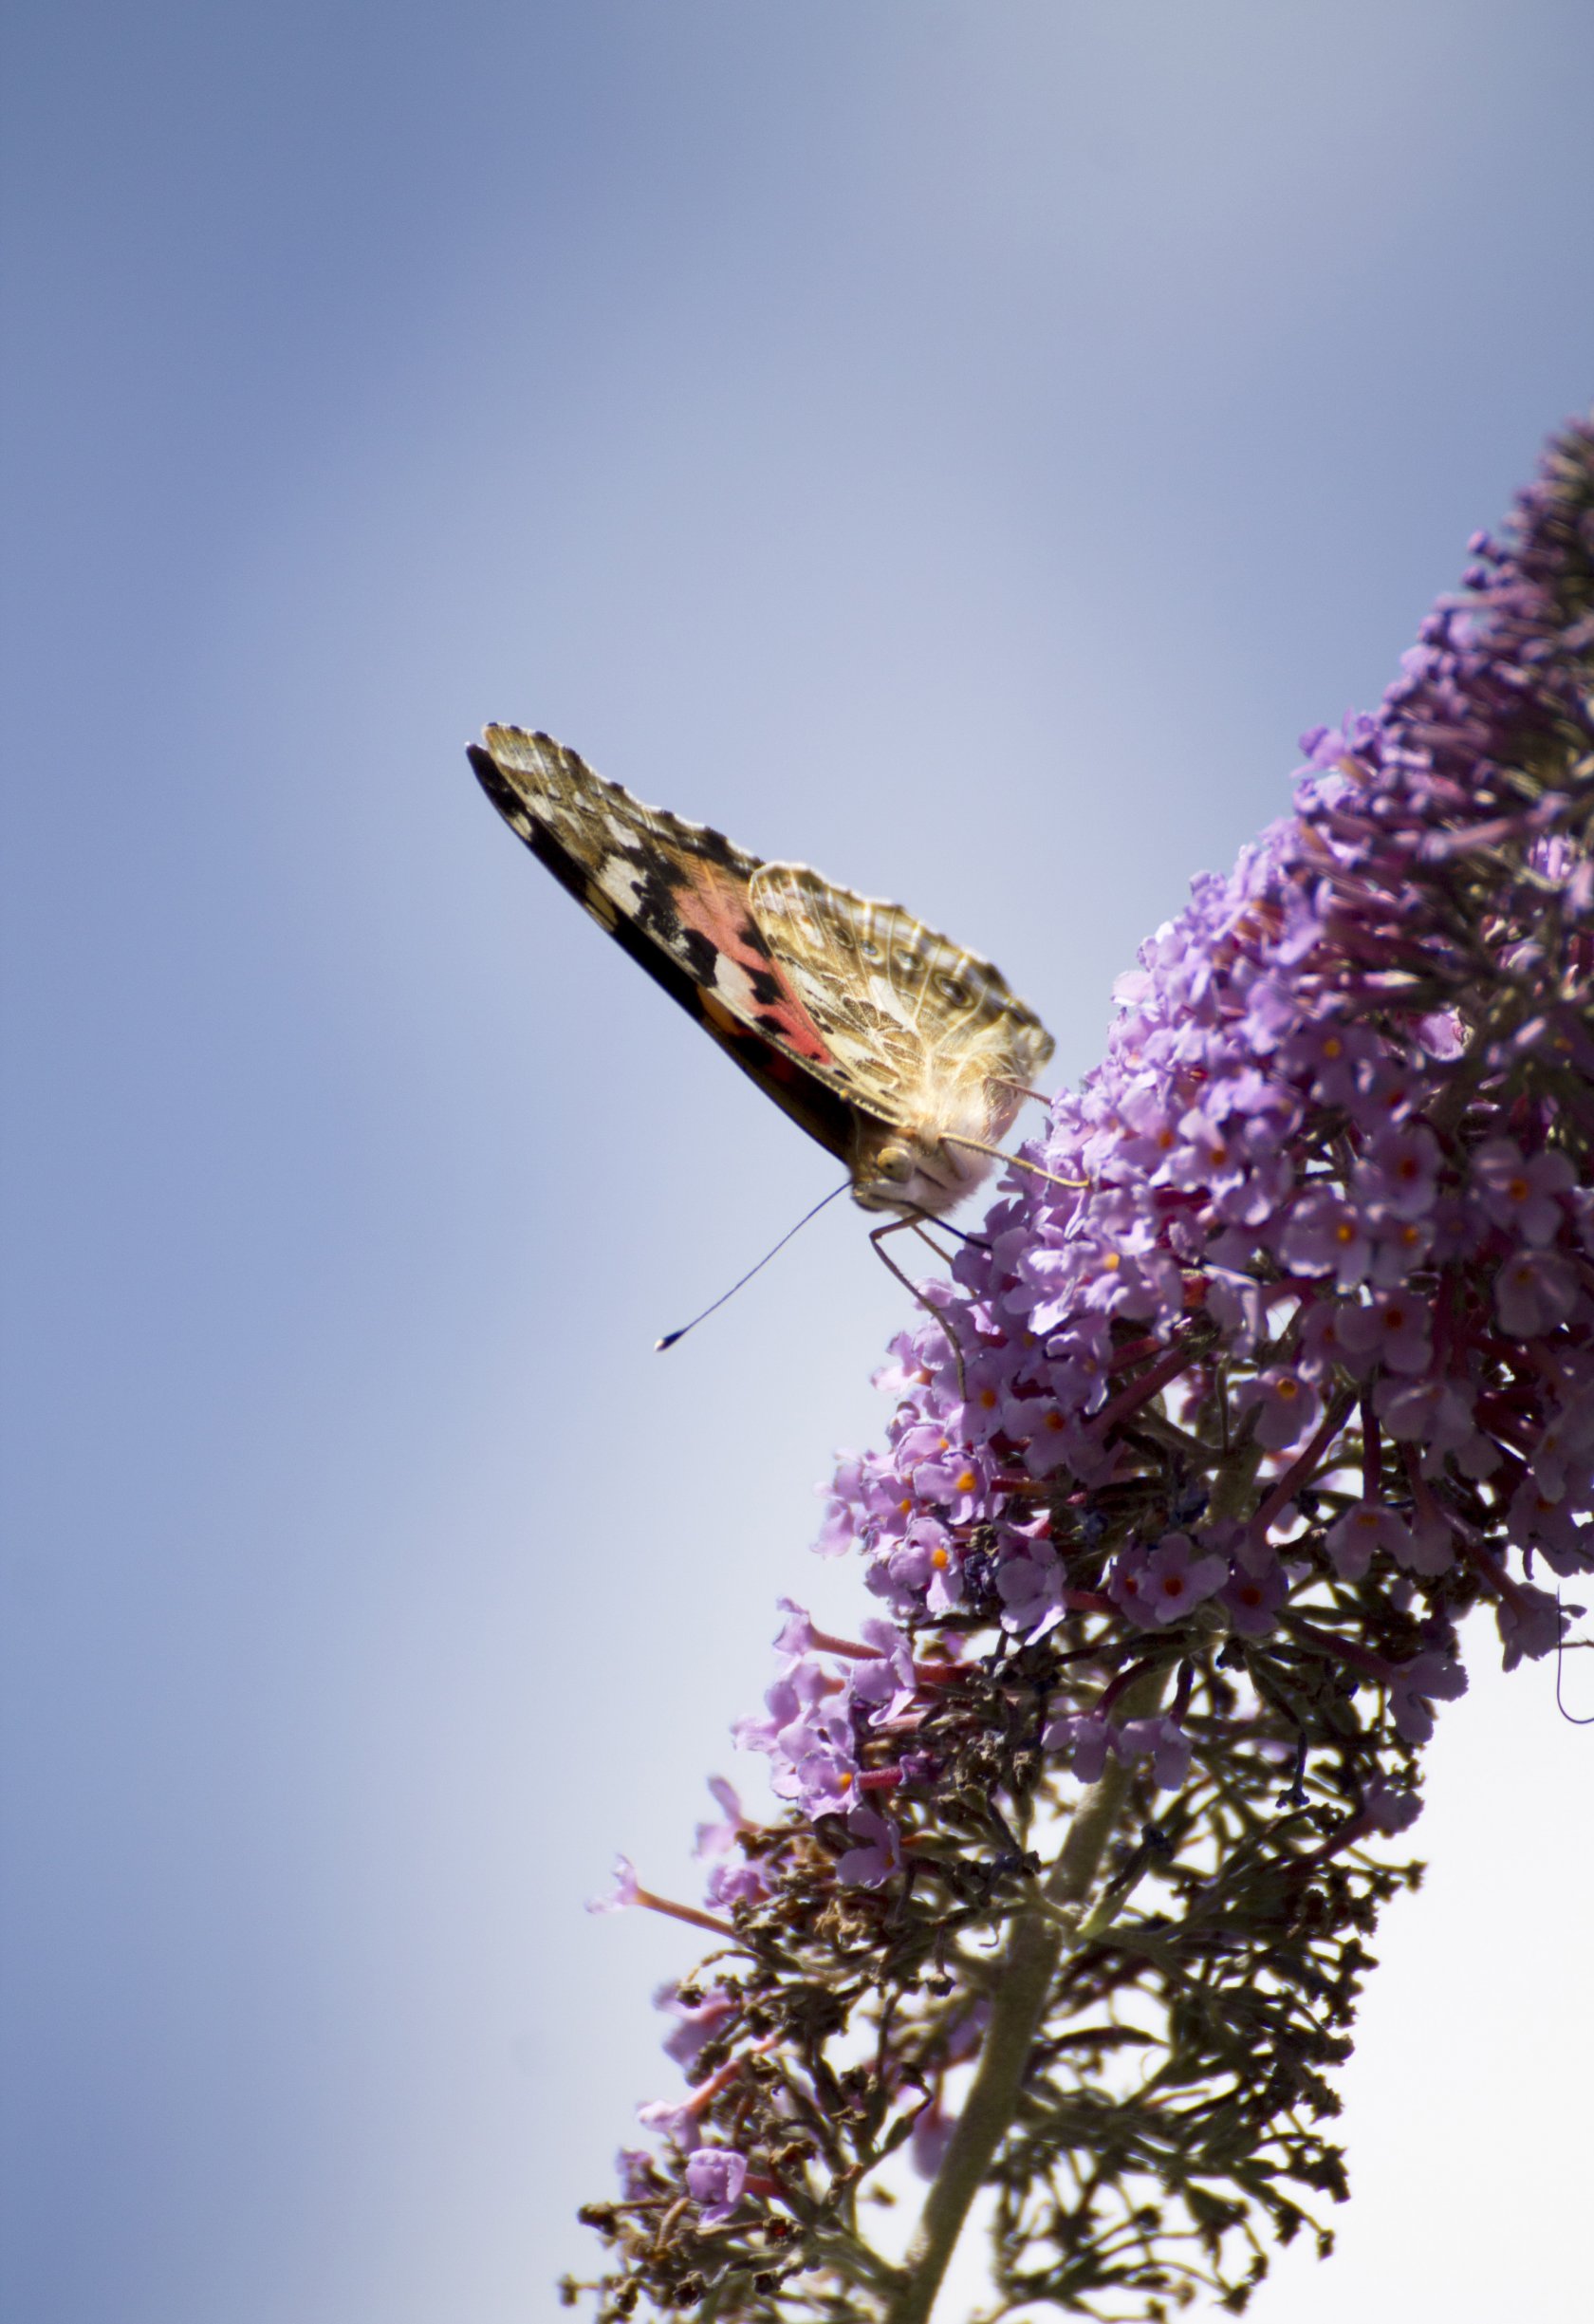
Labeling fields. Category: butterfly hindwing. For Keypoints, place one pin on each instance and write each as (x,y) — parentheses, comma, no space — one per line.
(898,1004)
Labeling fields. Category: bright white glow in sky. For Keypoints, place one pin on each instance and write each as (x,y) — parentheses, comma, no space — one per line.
(959,443)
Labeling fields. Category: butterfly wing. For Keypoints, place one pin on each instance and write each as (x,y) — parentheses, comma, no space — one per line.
(928,1035)
(674,895)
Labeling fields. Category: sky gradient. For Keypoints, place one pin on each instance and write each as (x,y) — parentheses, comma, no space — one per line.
(960,446)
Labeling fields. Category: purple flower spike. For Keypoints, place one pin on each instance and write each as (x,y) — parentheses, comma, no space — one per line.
(1531,1623)
(623,1894)
(1177,1576)
(1085,1740)
(1254,1600)
(878,1852)
(1390,1810)
(697,2023)
(1212,1461)
(1392,1332)
(1352,1540)
(1288,1406)
(714,2178)
(1525,1197)
(1533,1292)
(1416,1686)
(1163,1742)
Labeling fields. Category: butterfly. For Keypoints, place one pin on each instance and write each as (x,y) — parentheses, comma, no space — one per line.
(905,1057)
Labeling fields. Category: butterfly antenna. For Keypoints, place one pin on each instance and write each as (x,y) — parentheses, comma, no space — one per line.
(672,1337)
(1015,1161)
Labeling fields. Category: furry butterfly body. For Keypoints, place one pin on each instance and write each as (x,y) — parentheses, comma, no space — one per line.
(901,1054)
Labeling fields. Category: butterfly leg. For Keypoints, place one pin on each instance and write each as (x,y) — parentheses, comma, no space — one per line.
(926,1236)
(945,1257)
(878,1237)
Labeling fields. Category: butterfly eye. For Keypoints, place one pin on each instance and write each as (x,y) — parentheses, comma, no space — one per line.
(950,990)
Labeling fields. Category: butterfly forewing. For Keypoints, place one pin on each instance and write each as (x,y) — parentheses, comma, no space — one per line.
(674,895)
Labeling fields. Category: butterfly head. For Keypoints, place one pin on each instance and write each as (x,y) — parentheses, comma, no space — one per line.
(892,1170)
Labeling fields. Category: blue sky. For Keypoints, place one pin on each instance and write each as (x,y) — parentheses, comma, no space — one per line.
(960,446)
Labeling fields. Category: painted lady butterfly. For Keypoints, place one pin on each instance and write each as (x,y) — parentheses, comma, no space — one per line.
(905,1057)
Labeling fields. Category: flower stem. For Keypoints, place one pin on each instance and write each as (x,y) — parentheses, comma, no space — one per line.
(1023,1987)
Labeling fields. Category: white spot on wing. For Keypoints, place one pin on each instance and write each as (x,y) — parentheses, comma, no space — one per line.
(621,882)
(734,986)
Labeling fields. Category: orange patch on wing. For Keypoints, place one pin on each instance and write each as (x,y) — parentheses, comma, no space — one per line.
(716,906)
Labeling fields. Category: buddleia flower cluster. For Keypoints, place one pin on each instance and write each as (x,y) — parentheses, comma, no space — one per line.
(1221,1431)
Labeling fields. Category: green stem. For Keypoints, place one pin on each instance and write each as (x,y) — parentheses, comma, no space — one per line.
(1036,1943)
(1236,1482)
